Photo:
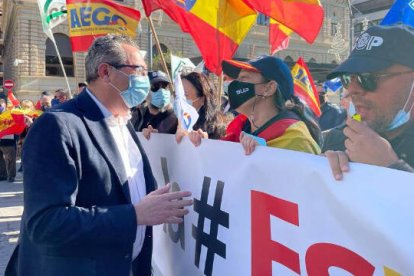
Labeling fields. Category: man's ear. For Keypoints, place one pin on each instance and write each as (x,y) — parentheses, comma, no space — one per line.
(103,71)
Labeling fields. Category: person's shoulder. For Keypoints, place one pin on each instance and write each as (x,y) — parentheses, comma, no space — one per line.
(334,107)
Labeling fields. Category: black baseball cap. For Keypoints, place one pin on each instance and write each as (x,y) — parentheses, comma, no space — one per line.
(378,48)
(270,67)
(158,76)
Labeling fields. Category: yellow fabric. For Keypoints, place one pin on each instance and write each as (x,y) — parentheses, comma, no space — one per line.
(231,17)
(296,137)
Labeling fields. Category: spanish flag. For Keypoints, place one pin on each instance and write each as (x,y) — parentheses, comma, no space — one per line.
(89,19)
(304,17)
(218,28)
(304,86)
(278,36)
(12,121)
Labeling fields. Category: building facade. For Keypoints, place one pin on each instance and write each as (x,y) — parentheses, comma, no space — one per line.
(29,59)
(366,13)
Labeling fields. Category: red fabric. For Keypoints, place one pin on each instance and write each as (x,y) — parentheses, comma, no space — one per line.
(304,17)
(273,131)
(38,105)
(175,9)
(276,129)
(213,45)
(12,99)
(235,128)
(278,40)
(305,94)
(15,127)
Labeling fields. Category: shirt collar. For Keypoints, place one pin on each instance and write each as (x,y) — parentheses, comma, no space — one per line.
(101,107)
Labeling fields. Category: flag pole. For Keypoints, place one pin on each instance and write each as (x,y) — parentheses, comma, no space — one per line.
(61,64)
(157,42)
(220,88)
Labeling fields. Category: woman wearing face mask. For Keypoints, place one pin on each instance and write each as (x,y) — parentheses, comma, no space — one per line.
(157,114)
(202,95)
(269,112)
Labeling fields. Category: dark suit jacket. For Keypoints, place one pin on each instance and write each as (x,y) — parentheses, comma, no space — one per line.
(78,218)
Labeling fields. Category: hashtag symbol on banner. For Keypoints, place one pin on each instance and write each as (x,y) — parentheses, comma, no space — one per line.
(217,217)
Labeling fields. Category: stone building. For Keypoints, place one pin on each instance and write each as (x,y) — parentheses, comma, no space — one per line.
(29,59)
(366,13)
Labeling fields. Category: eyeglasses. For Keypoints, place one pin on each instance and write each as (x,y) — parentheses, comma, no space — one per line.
(139,69)
(368,81)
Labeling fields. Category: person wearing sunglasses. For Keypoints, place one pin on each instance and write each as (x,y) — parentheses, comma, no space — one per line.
(379,78)
(156,114)
(90,195)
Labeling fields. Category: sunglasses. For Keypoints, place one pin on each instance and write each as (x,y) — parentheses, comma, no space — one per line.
(156,86)
(368,81)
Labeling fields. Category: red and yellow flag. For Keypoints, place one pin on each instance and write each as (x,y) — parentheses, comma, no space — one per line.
(89,19)
(12,121)
(304,17)
(218,28)
(278,36)
(304,86)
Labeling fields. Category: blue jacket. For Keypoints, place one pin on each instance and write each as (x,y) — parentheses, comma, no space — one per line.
(331,116)
(78,218)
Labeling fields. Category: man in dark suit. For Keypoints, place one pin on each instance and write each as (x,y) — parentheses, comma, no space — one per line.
(89,196)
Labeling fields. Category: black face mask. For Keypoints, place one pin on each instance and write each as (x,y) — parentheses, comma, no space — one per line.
(239,93)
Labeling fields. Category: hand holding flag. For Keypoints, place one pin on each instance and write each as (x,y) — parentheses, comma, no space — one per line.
(187,115)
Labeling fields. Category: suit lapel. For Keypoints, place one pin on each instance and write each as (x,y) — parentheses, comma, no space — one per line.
(103,140)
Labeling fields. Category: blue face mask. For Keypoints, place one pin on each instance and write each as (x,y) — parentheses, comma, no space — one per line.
(1,108)
(402,116)
(137,91)
(160,98)
(351,109)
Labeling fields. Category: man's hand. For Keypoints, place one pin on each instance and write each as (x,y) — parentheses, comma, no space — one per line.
(162,206)
(366,146)
(339,162)
(147,132)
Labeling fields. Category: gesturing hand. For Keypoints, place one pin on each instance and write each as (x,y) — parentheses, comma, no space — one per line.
(162,206)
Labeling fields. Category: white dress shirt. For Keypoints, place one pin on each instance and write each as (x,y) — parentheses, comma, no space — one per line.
(132,162)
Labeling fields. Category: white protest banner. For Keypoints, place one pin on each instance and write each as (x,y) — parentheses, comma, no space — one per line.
(279,212)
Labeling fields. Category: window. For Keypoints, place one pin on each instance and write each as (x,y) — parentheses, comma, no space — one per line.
(164,50)
(263,20)
(334,28)
(53,67)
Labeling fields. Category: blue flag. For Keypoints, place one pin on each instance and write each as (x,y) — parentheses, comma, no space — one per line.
(401,12)
(332,85)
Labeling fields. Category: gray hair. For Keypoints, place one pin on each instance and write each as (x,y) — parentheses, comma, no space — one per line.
(106,49)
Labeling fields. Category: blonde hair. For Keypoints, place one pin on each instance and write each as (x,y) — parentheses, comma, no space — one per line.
(27,104)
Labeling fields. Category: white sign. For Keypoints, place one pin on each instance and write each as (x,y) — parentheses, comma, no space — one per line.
(279,212)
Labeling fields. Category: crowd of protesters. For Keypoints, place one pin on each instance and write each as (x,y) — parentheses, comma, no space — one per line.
(262,109)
